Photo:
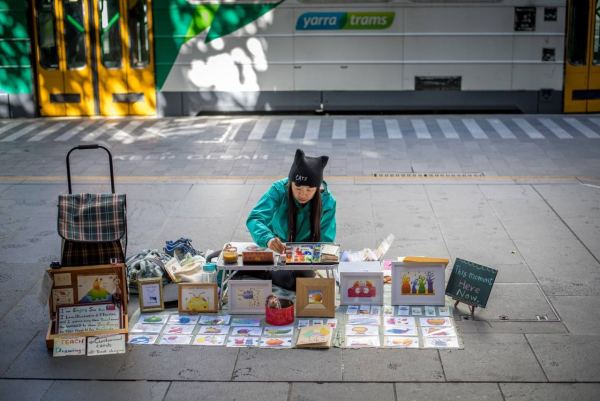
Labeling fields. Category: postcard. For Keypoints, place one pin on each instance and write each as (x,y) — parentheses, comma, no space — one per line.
(138,339)
(436,321)
(303,323)
(215,320)
(388,310)
(438,331)
(317,321)
(403,310)
(276,342)
(362,330)
(175,339)
(364,320)
(62,279)
(352,310)
(362,341)
(146,328)
(233,341)
(364,309)
(250,331)
(416,311)
(430,311)
(400,321)
(332,323)
(153,319)
(278,331)
(400,331)
(178,329)
(62,296)
(183,319)
(209,340)
(440,342)
(401,342)
(375,310)
(443,310)
(212,330)
(245,321)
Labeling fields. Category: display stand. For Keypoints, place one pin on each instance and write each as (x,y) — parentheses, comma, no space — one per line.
(231,269)
(471,308)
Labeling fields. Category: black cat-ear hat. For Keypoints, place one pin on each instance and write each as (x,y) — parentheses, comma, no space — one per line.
(306,170)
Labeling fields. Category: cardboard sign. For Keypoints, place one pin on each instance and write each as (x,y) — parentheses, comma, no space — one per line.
(93,317)
(471,283)
(68,346)
(106,345)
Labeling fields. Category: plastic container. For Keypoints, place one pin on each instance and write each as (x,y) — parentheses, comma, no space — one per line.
(209,273)
(280,316)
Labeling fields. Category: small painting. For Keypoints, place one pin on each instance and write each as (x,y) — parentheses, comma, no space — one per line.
(401,342)
(174,339)
(233,341)
(214,330)
(248,331)
(400,331)
(153,319)
(436,321)
(196,298)
(400,321)
(178,329)
(151,294)
(248,296)
(61,279)
(146,328)
(176,318)
(362,330)
(96,288)
(142,339)
(275,342)
(315,297)
(245,321)
(278,331)
(62,296)
(209,340)
(440,342)
(215,320)
(438,331)
(362,341)
(364,320)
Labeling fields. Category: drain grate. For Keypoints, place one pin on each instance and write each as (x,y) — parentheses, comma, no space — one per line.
(426,174)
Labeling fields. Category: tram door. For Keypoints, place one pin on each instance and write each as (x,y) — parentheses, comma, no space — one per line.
(94,57)
(582,64)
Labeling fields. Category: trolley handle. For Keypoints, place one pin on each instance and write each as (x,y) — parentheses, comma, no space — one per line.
(94,146)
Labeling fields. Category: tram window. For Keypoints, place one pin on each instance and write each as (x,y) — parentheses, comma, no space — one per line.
(74,33)
(110,33)
(596,60)
(577,40)
(46,29)
(137,20)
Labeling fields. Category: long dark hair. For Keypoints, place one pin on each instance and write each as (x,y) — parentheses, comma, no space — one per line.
(315,216)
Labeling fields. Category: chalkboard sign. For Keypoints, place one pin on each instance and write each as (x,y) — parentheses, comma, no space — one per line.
(471,283)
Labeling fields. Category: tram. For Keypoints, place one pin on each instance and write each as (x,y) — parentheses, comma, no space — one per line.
(189,57)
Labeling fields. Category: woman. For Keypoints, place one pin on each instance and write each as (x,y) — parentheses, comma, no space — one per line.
(295,209)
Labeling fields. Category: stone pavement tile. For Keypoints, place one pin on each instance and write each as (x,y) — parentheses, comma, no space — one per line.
(448,391)
(37,361)
(516,301)
(187,391)
(545,327)
(106,390)
(464,227)
(277,365)
(484,251)
(492,357)
(568,357)
(16,280)
(182,362)
(561,267)
(391,365)
(23,390)
(431,247)
(579,206)
(580,314)
(550,391)
(342,391)
(212,201)
(515,273)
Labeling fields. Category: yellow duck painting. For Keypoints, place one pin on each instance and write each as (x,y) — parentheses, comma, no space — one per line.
(197,304)
(98,292)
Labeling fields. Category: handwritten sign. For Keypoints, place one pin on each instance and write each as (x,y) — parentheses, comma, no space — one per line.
(106,345)
(83,318)
(471,283)
(68,346)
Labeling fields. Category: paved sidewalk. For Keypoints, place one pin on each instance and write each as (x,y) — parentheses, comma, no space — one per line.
(543,237)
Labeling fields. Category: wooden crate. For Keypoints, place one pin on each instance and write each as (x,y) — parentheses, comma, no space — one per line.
(69,284)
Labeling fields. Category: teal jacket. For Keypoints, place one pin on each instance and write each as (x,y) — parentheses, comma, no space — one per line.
(268,219)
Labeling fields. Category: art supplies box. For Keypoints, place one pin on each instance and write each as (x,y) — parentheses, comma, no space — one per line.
(101,289)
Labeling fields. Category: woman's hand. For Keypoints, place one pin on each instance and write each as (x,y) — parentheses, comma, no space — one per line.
(276,245)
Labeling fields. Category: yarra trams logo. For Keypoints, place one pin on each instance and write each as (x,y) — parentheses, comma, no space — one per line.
(344,20)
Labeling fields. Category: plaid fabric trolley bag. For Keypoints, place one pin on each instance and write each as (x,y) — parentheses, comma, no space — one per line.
(93,227)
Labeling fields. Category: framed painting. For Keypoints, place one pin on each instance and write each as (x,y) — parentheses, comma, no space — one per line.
(150,292)
(196,298)
(248,296)
(315,297)
(418,282)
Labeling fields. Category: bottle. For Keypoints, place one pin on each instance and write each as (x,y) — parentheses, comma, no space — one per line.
(209,274)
